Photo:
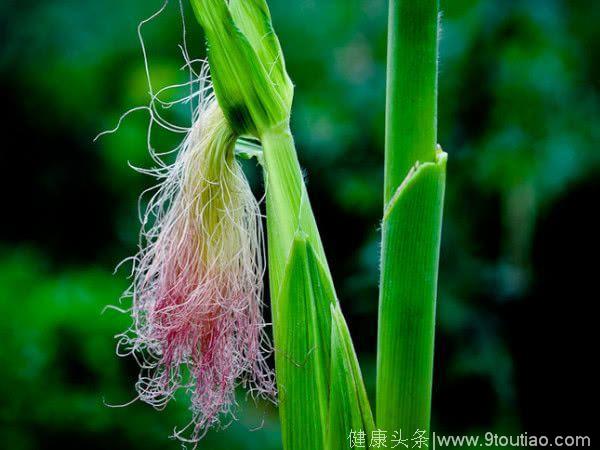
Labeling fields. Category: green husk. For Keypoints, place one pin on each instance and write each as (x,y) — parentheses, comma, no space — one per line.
(411,228)
(253,91)
(254,20)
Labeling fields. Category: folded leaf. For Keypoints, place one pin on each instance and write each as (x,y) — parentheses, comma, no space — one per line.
(410,253)
(302,332)
(349,409)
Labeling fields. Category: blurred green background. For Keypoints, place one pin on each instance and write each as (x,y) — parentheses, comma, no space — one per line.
(518,116)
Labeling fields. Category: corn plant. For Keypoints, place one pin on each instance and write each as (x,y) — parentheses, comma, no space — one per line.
(198,276)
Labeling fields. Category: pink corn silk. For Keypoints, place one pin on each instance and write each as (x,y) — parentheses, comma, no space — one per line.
(210,322)
(198,284)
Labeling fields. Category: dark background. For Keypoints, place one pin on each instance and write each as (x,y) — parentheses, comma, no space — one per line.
(518,116)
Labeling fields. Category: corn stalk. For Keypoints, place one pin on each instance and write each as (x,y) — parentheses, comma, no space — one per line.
(415,170)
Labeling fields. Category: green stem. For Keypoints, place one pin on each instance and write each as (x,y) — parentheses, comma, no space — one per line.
(288,207)
(411,106)
(411,226)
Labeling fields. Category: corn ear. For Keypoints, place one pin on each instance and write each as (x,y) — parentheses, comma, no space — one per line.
(316,366)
